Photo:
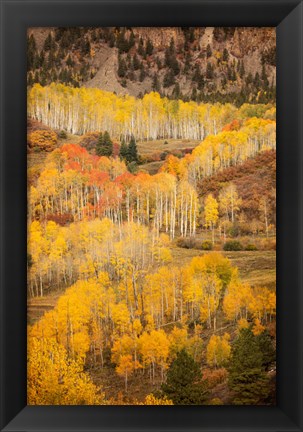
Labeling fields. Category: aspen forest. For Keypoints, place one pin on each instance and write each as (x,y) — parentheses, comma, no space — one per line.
(151,216)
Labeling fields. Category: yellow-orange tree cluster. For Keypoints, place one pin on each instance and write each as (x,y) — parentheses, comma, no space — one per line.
(82,110)
(128,318)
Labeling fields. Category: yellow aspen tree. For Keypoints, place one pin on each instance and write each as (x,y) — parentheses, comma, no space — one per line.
(218,350)
(126,367)
(54,379)
(211,214)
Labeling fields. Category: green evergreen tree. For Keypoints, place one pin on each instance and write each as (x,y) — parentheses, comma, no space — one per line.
(122,68)
(187,64)
(264,78)
(169,79)
(149,47)
(156,84)
(104,145)
(172,49)
(142,73)
(31,52)
(194,94)
(122,43)
(112,40)
(141,50)
(136,62)
(257,81)
(208,51)
(132,154)
(42,59)
(131,40)
(69,61)
(48,42)
(191,34)
(249,79)
(176,91)
(209,71)
(267,349)
(184,385)
(247,378)
(225,56)
(123,153)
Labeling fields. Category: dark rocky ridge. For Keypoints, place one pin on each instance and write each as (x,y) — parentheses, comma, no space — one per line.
(207,63)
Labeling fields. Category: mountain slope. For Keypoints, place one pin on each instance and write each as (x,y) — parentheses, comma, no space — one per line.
(213,63)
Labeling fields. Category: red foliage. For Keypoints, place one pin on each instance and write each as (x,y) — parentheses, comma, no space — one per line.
(255,178)
(60,219)
(233,126)
(116,149)
(125,179)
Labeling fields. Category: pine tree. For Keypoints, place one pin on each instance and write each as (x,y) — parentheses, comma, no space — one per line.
(132,154)
(209,71)
(208,51)
(131,40)
(123,150)
(187,65)
(169,79)
(122,43)
(267,349)
(48,42)
(176,91)
(69,61)
(121,67)
(264,78)
(141,51)
(242,69)
(156,84)
(184,384)
(142,73)
(149,47)
(112,40)
(104,146)
(225,55)
(136,62)
(257,81)
(246,372)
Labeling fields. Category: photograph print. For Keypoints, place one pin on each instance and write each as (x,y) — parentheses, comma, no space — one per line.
(151,257)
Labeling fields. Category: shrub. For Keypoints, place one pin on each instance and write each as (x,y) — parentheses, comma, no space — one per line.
(163,155)
(251,247)
(234,230)
(155,157)
(232,245)
(215,376)
(62,134)
(207,245)
(89,140)
(45,140)
(267,244)
(186,243)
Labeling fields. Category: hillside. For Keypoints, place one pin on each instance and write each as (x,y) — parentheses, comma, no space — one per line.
(202,64)
(253,179)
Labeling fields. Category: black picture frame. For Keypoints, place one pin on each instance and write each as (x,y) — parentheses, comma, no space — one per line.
(286,16)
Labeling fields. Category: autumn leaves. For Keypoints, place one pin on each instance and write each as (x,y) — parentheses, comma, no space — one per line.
(82,110)
(141,319)
(108,234)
